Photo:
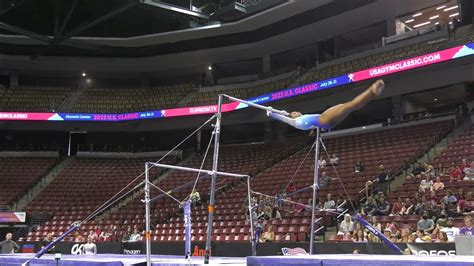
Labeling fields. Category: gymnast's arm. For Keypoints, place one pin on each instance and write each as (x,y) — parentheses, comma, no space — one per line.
(282,118)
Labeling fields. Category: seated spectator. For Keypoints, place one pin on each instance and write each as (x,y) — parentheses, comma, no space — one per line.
(376,224)
(268,236)
(78,238)
(468,229)
(359,236)
(324,180)
(425,224)
(455,173)
(47,240)
(359,167)
(404,235)
(388,234)
(440,171)
(408,207)
(438,184)
(397,207)
(126,237)
(442,238)
(449,199)
(299,207)
(329,204)
(346,226)
(469,172)
(195,197)
(460,194)
(419,236)
(276,213)
(428,170)
(383,207)
(369,207)
(450,230)
(136,236)
(416,171)
(442,220)
(334,160)
(290,188)
(432,198)
(466,205)
(420,206)
(426,184)
(322,163)
(464,165)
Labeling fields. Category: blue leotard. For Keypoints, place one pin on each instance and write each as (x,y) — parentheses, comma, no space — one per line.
(304,122)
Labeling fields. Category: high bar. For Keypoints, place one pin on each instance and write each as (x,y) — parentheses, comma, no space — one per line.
(267,108)
(195,170)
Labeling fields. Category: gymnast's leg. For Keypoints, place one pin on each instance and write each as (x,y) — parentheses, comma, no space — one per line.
(332,116)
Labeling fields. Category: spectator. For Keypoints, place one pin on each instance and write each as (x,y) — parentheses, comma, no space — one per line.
(404,235)
(397,207)
(290,188)
(469,172)
(416,171)
(324,180)
(426,184)
(442,220)
(449,199)
(299,207)
(346,226)
(369,207)
(460,195)
(195,197)
(47,240)
(383,180)
(468,229)
(135,236)
(407,251)
(407,207)
(455,173)
(425,224)
(440,171)
(429,170)
(329,204)
(126,237)
(322,163)
(369,189)
(269,235)
(93,235)
(90,248)
(438,184)
(359,167)
(421,205)
(383,207)
(276,213)
(419,236)
(442,238)
(376,224)
(8,245)
(464,165)
(78,238)
(334,160)
(359,236)
(466,205)
(388,234)
(97,230)
(450,230)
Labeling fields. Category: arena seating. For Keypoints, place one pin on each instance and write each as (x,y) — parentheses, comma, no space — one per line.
(33,99)
(18,174)
(83,186)
(117,100)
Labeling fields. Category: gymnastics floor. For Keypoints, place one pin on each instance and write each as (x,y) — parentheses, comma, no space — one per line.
(164,260)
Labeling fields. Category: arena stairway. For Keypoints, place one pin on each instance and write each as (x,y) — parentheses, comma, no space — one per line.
(42,184)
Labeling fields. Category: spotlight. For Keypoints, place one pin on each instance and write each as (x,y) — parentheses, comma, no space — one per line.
(435,99)
(209,67)
(84,74)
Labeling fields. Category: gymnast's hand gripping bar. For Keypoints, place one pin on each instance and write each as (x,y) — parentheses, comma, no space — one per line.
(267,108)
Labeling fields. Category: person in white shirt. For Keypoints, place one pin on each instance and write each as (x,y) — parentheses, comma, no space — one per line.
(346,226)
(90,248)
(135,236)
(450,230)
(426,184)
(334,160)
(329,204)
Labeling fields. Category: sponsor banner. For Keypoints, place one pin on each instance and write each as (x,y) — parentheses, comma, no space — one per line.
(374,72)
(245,249)
(12,217)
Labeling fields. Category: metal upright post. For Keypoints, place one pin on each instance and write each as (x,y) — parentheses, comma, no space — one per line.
(215,161)
(315,191)
(249,195)
(147,216)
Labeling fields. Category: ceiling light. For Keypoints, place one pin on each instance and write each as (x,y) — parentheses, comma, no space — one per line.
(437,23)
(433,17)
(450,8)
(209,67)
(435,99)
(440,7)
(84,74)
(409,21)
(453,15)
(417,14)
(421,24)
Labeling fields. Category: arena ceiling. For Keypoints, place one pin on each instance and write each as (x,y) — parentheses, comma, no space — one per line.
(138,28)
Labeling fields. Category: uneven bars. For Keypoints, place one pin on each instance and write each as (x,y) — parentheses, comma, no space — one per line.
(209,172)
(267,108)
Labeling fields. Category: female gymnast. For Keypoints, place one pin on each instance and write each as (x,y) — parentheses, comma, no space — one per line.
(332,116)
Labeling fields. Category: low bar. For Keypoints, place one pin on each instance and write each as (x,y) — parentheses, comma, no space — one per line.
(267,108)
(209,172)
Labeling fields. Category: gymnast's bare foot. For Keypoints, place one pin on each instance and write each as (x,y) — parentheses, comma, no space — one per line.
(377,87)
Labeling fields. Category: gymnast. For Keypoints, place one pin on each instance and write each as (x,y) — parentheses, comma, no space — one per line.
(332,116)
